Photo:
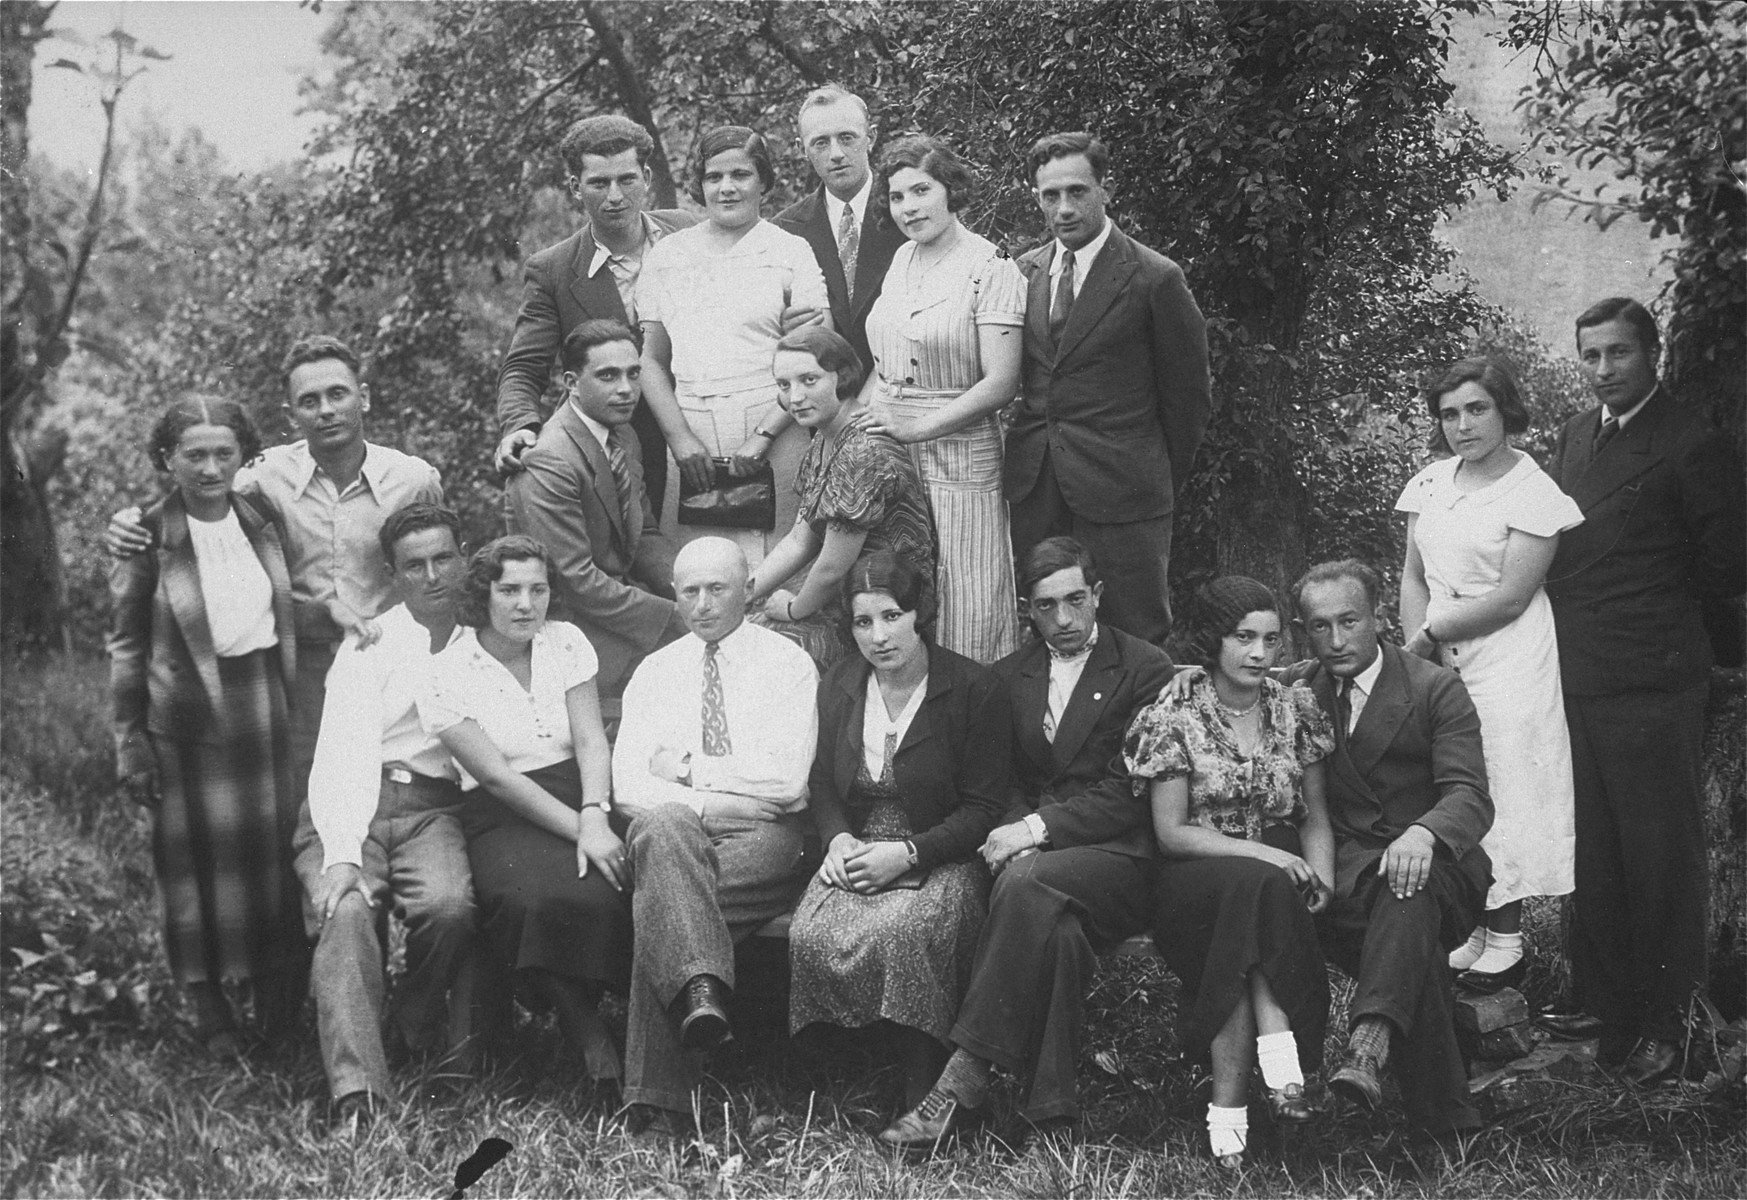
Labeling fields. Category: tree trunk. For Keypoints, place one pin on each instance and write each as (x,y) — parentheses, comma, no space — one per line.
(636,98)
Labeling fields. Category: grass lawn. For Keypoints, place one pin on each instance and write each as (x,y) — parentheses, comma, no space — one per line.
(105,1093)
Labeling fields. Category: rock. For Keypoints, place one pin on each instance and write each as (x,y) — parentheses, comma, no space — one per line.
(1483,1014)
(1511,1042)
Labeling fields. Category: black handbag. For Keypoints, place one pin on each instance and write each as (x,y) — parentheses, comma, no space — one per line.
(748,502)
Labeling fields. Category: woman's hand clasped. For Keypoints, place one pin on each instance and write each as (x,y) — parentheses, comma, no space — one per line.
(748,456)
(1310,885)
(873,867)
(832,872)
(780,606)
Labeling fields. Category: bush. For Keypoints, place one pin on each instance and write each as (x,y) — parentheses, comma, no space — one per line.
(55,733)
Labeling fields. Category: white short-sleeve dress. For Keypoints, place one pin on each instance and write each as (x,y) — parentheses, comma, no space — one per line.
(1512,673)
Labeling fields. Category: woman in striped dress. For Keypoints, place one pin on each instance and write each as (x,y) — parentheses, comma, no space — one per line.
(946,338)
(201,647)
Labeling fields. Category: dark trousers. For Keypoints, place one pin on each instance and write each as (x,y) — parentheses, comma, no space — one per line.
(654,455)
(1398,952)
(1134,557)
(1643,889)
(1048,913)
(308,693)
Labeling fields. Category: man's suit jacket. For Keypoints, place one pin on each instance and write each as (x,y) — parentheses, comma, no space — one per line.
(1662,532)
(614,583)
(163,669)
(810,218)
(558,294)
(1414,758)
(1121,402)
(1078,783)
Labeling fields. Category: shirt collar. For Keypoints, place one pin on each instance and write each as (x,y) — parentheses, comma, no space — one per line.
(858,202)
(304,467)
(725,645)
(1082,656)
(600,431)
(1085,255)
(651,235)
(1366,680)
(1634,410)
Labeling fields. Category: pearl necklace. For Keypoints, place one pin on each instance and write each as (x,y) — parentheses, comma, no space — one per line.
(1236,714)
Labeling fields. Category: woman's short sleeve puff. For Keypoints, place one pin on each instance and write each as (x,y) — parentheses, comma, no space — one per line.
(1156,746)
(1314,739)
(1000,293)
(1540,509)
(575,657)
(651,287)
(858,486)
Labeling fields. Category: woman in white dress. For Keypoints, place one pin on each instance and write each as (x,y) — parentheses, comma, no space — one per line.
(711,300)
(946,335)
(1482,527)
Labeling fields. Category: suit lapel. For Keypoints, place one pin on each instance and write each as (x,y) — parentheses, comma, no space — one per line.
(1322,684)
(1107,279)
(264,537)
(1632,451)
(922,728)
(824,242)
(1036,268)
(854,685)
(600,471)
(1030,701)
(179,576)
(1091,697)
(878,244)
(597,294)
(1385,709)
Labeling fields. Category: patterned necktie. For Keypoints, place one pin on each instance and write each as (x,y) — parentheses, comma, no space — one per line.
(1344,705)
(1064,298)
(886,762)
(715,710)
(848,244)
(621,466)
(1609,427)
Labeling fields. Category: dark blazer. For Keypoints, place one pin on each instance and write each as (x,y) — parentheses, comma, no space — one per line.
(558,295)
(953,768)
(810,218)
(614,583)
(1414,758)
(1121,403)
(1662,532)
(163,670)
(1079,784)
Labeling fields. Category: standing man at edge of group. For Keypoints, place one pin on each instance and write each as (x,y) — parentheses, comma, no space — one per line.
(1116,392)
(853,249)
(592,274)
(1661,494)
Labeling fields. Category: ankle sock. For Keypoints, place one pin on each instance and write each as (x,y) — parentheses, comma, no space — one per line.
(1469,952)
(1228,1129)
(1277,1055)
(1503,950)
(1371,1036)
(965,1079)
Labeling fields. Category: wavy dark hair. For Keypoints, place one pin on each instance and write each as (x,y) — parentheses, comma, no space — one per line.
(933,158)
(200,408)
(1215,610)
(1346,568)
(473,606)
(894,574)
(731,137)
(1498,382)
(1622,308)
(831,351)
(413,518)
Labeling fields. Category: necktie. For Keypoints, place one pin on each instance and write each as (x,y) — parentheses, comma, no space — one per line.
(1344,705)
(848,244)
(1064,298)
(1609,427)
(715,710)
(621,466)
(886,762)
(1054,706)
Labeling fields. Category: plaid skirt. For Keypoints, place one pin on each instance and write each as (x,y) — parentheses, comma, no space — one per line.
(222,839)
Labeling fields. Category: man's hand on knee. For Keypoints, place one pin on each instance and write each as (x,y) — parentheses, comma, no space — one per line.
(1407,863)
(336,881)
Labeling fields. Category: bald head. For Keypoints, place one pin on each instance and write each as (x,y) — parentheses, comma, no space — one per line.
(709,580)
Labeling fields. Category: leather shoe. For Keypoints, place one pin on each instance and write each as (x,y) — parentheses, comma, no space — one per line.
(705,1024)
(357,1110)
(1485,983)
(925,1127)
(1650,1061)
(1356,1082)
(649,1122)
(1568,1022)
(1288,1106)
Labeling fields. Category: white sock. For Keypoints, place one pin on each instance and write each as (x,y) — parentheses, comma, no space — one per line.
(1228,1129)
(1469,952)
(1277,1055)
(1502,950)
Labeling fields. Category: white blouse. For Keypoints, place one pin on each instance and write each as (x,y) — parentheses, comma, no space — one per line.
(234,586)
(530,728)
(875,724)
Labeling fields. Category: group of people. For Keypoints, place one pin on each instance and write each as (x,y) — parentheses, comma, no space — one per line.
(925,708)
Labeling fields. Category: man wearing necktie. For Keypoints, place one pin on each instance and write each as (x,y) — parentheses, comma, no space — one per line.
(1662,536)
(711,768)
(1116,392)
(853,249)
(580,494)
(1072,858)
(1408,799)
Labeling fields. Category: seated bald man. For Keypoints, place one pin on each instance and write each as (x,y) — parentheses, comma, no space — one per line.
(710,768)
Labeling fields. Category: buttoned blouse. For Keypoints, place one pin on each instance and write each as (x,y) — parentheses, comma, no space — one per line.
(530,728)
(723,309)
(234,586)
(923,328)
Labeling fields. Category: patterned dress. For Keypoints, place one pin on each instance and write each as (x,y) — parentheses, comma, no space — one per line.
(902,955)
(864,483)
(923,334)
(1218,919)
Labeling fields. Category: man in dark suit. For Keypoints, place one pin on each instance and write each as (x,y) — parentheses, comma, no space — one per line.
(1661,495)
(1116,392)
(1073,859)
(580,493)
(592,274)
(853,249)
(1408,799)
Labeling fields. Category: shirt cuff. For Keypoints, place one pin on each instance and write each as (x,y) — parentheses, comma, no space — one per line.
(1039,831)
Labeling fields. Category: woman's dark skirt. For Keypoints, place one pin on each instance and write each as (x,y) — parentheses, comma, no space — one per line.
(1218,919)
(534,913)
